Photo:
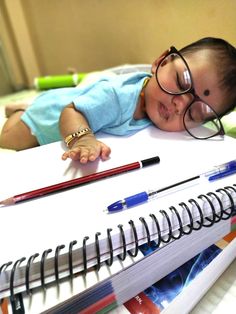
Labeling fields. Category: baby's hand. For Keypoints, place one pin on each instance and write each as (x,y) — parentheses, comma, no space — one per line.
(87,148)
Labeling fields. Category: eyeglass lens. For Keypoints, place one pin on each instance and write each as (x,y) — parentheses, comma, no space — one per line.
(173,77)
(201,121)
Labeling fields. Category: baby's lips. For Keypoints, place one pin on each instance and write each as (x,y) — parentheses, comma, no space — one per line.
(163,111)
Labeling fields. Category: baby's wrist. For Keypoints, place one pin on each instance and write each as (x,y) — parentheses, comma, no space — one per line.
(71,138)
(81,141)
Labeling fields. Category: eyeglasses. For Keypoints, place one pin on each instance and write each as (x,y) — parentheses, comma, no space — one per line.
(174,77)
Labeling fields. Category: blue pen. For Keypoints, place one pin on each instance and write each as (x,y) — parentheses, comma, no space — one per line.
(217,173)
(143,197)
(224,171)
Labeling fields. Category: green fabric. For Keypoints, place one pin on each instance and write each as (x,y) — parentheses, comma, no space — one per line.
(229,123)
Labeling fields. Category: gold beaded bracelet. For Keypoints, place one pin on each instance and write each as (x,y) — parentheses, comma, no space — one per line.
(68,139)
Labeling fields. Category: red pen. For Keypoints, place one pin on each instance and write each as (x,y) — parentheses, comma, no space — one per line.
(79,181)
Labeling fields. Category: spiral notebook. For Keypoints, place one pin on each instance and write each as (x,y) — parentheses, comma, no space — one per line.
(106,287)
(65,236)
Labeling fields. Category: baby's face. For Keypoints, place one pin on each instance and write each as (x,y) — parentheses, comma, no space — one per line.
(166,111)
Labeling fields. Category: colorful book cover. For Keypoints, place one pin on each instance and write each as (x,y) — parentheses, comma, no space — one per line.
(157,297)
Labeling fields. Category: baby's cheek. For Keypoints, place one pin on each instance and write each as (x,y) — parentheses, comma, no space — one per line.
(171,125)
(177,124)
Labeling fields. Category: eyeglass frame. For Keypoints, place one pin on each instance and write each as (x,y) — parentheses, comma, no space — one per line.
(191,91)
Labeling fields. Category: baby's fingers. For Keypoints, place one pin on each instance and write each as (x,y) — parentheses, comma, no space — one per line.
(88,153)
(105,151)
(83,154)
(65,155)
(73,154)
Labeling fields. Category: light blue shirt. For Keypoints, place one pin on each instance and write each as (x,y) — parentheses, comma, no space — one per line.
(108,105)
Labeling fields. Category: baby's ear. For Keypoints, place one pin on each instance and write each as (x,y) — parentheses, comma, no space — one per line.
(157,61)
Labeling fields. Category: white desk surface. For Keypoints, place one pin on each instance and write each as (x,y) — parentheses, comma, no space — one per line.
(181,158)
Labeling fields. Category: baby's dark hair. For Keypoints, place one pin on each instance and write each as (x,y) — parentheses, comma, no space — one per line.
(224,55)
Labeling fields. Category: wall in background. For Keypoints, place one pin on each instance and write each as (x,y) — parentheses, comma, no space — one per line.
(5,80)
(52,36)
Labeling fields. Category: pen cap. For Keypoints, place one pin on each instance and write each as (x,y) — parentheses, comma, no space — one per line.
(150,161)
(231,164)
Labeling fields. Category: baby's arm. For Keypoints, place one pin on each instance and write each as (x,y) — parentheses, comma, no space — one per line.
(85,148)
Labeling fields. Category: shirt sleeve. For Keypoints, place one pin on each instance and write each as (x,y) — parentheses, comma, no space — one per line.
(100,106)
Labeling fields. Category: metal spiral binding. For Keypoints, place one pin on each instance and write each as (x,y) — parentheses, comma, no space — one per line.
(42,262)
(27,272)
(4,266)
(57,251)
(180,229)
(170,233)
(98,250)
(70,257)
(202,222)
(143,221)
(191,223)
(123,256)
(109,262)
(12,294)
(85,254)
(134,253)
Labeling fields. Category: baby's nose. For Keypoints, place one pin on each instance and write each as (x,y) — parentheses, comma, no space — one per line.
(181,102)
